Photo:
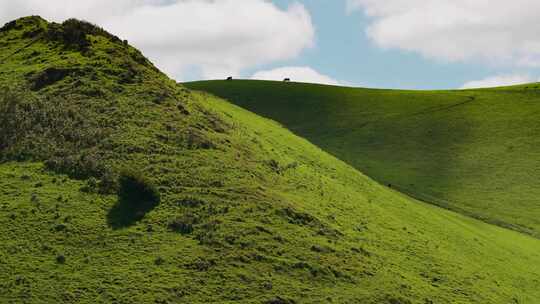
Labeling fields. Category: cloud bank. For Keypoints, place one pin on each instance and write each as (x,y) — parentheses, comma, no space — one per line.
(499,80)
(497,32)
(210,38)
(298,74)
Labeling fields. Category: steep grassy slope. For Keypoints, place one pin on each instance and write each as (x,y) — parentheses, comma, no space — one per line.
(248,212)
(475,152)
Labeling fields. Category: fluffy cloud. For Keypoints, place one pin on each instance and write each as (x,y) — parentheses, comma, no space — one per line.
(492,31)
(214,38)
(499,80)
(299,74)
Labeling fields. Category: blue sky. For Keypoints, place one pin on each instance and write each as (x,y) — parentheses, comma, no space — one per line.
(344,52)
(413,44)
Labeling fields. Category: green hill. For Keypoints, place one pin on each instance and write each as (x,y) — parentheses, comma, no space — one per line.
(474,151)
(119,186)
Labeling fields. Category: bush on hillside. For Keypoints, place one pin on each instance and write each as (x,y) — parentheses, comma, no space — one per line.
(58,131)
(137,196)
(182,226)
(108,183)
(60,259)
(9,104)
(9,26)
(139,191)
(73,33)
(91,186)
(49,76)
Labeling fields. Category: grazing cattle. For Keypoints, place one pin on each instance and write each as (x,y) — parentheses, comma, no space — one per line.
(287,79)
(229,78)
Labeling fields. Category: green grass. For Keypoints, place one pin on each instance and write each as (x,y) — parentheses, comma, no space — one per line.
(247,211)
(473,151)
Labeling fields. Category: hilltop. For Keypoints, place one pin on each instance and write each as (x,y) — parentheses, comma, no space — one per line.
(471,151)
(119,186)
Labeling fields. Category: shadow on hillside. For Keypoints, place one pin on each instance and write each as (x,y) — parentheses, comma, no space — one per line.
(129,210)
(411,140)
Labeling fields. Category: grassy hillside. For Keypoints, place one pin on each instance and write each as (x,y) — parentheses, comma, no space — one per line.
(474,151)
(118,186)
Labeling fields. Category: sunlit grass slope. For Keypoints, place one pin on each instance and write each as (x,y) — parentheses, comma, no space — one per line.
(248,212)
(475,152)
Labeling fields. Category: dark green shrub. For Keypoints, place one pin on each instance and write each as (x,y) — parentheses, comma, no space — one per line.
(274,165)
(60,259)
(202,264)
(108,183)
(280,300)
(183,225)
(136,197)
(60,228)
(91,186)
(190,202)
(9,26)
(136,188)
(32,33)
(159,261)
(73,33)
(50,76)
(296,217)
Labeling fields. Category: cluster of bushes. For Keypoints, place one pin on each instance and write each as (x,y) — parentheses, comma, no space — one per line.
(20,23)
(83,165)
(73,33)
(59,132)
(9,26)
(49,76)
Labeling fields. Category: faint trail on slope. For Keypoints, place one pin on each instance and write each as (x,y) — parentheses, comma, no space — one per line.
(448,205)
(442,108)
(428,110)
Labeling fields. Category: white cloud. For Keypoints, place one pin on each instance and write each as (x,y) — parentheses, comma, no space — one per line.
(298,74)
(498,81)
(217,38)
(492,31)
